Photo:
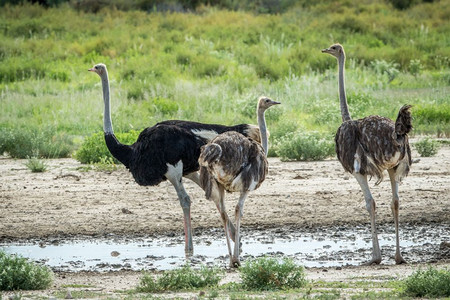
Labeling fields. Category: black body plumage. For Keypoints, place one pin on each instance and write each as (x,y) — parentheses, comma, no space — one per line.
(165,143)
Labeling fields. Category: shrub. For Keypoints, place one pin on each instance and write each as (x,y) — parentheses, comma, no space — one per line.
(181,279)
(17,273)
(23,143)
(427,147)
(304,146)
(271,274)
(94,150)
(428,283)
(36,165)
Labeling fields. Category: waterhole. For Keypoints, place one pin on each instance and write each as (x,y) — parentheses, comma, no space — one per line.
(333,246)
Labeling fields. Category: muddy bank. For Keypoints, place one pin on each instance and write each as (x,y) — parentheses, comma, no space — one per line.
(68,201)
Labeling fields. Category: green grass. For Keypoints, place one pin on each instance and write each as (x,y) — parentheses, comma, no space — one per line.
(431,282)
(209,65)
(36,165)
(17,273)
(268,273)
(184,278)
(427,147)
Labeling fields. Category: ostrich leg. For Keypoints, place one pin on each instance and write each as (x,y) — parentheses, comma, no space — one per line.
(371,208)
(175,175)
(394,207)
(234,260)
(195,177)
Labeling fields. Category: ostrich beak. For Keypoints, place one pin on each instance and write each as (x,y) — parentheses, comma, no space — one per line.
(91,70)
(326,50)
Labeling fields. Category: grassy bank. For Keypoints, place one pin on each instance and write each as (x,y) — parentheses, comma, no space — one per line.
(211,65)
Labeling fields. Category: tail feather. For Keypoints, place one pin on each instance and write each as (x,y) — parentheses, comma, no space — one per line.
(403,124)
(209,153)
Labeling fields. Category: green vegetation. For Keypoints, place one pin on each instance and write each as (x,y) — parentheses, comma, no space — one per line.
(36,165)
(94,150)
(268,273)
(428,283)
(181,279)
(211,65)
(304,146)
(427,147)
(17,273)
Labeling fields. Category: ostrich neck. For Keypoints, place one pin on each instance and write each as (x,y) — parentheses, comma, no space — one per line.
(107,123)
(342,97)
(263,130)
(121,152)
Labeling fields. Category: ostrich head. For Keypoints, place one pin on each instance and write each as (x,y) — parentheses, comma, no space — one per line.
(336,50)
(265,102)
(100,69)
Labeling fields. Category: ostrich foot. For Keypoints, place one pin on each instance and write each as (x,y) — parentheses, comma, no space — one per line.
(399,259)
(234,262)
(373,261)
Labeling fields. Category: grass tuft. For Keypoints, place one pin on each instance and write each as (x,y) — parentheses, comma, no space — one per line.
(427,147)
(183,278)
(272,274)
(36,165)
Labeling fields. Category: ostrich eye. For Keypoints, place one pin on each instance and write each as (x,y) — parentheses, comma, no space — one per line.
(96,67)
(334,48)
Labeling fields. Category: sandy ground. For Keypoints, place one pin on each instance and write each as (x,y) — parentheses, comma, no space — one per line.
(67,201)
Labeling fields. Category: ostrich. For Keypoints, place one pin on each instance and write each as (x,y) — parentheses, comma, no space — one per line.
(367,147)
(235,163)
(168,150)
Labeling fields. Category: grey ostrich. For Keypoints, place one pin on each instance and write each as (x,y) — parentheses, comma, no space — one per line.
(234,163)
(168,150)
(367,147)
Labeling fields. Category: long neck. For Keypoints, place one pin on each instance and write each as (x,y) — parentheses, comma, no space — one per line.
(121,152)
(107,123)
(342,97)
(263,130)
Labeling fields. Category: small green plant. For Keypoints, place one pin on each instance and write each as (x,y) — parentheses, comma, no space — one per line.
(304,146)
(93,149)
(17,273)
(36,165)
(391,69)
(428,283)
(106,164)
(181,279)
(415,67)
(427,147)
(272,274)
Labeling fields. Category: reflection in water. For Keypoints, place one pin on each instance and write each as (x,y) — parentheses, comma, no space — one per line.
(320,247)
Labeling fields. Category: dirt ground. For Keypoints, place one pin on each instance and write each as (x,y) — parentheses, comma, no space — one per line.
(68,201)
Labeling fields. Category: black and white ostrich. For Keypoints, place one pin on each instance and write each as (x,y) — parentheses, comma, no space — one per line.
(168,150)
(367,147)
(233,162)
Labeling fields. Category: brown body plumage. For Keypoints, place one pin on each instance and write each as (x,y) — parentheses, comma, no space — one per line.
(371,145)
(368,147)
(235,163)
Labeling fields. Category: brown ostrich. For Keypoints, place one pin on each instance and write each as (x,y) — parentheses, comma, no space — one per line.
(234,163)
(367,147)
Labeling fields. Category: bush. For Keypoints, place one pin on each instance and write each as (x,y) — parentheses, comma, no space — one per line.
(36,165)
(23,143)
(94,150)
(181,279)
(428,283)
(304,146)
(17,273)
(272,274)
(427,147)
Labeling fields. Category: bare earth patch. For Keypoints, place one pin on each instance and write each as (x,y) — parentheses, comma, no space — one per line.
(66,202)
